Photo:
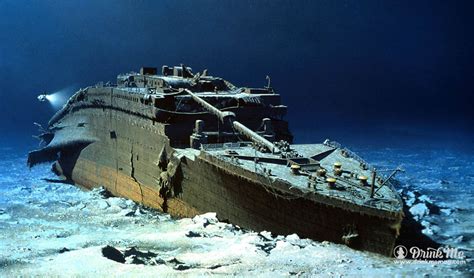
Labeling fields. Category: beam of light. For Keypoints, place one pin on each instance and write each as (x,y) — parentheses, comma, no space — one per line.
(56,100)
(59,98)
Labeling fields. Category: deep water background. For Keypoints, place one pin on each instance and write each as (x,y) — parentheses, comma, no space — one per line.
(365,66)
(393,80)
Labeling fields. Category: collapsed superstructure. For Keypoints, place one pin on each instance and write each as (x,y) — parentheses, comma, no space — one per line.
(189,143)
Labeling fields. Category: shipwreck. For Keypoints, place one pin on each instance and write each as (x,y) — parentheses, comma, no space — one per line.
(188,143)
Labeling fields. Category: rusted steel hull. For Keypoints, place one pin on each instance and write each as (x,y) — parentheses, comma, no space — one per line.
(157,139)
(90,174)
(128,166)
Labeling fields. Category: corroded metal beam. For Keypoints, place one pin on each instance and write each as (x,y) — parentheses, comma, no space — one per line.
(241,128)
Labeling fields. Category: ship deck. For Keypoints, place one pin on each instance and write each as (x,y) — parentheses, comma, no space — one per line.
(312,157)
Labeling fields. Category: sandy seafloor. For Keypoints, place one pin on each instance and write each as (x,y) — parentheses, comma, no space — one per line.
(54,229)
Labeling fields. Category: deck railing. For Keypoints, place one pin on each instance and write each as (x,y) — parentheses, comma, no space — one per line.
(351,154)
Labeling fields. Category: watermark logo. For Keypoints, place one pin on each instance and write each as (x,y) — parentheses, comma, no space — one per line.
(400,252)
(444,254)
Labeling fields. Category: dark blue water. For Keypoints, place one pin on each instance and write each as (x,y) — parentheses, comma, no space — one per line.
(336,63)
